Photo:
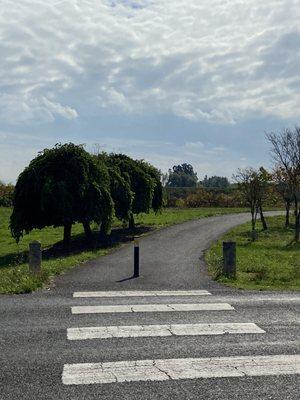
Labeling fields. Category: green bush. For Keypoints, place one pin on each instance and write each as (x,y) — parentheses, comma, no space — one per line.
(6,194)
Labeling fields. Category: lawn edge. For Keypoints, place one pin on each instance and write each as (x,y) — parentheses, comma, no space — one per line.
(233,285)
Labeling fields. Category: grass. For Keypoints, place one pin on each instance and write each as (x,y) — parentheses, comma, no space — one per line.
(271,262)
(15,276)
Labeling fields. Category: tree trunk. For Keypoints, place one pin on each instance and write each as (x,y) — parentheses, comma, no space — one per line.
(262,218)
(253,223)
(297,228)
(131,223)
(67,235)
(104,236)
(253,233)
(87,230)
(297,222)
(287,214)
(102,233)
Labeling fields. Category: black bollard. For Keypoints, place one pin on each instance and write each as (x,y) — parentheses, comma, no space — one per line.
(229,259)
(136,272)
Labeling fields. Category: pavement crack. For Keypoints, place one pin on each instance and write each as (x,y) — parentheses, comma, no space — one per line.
(172,308)
(169,329)
(115,377)
(161,370)
(240,370)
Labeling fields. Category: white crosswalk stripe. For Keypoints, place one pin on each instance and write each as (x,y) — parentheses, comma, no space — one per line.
(134,308)
(143,293)
(108,332)
(166,369)
(174,369)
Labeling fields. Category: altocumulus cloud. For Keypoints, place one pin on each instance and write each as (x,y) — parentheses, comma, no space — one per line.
(215,61)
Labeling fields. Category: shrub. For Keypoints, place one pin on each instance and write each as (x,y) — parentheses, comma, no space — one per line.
(6,195)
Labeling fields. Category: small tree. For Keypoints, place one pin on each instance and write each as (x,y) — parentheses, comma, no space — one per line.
(249,184)
(61,186)
(286,155)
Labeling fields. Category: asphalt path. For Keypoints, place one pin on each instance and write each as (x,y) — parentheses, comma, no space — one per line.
(33,327)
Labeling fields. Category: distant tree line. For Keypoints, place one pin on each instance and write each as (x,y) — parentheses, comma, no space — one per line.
(6,194)
(184,176)
(66,185)
(202,197)
(181,176)
(215,182)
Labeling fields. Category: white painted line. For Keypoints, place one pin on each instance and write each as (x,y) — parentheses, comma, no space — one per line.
(140,293)
(174,369)
(108,332)
(151,308)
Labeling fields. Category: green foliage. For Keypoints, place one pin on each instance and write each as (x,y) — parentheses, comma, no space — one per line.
(6,194)
(120,188)
(61,186)
(121,193)
(182,176)
(154,173)
(141,183)
(215,182)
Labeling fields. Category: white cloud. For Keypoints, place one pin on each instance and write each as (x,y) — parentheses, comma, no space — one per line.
(216,61)
(24,107)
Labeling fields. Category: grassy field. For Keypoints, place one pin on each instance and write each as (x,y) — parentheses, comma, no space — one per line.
(271,262)
(14,273)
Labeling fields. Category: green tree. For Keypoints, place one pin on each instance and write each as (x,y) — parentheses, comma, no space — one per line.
(120,190)
(215,182)
(249,184)
(264,179)
(182,175)
(142,184)
(155,174)
(61,186)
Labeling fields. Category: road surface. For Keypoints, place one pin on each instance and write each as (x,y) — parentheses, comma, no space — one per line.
(171,333)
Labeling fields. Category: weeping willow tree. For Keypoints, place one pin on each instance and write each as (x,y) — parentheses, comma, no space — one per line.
(155,174)
(144,182)
(120,190)
(60,187)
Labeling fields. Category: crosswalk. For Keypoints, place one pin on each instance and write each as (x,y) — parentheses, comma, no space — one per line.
(166,369)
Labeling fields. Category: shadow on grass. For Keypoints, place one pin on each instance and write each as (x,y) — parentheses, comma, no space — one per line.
(78,245)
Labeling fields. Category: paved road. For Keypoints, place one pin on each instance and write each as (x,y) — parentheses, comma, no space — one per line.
(243,344)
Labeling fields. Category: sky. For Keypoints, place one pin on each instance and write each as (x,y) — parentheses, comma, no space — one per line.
(169,81)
